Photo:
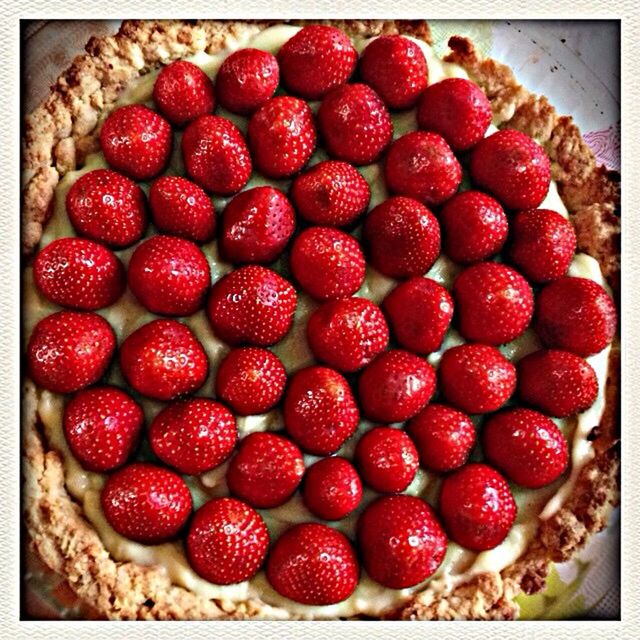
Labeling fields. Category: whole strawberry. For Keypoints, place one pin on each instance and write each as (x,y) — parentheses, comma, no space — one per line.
(136,141)
(193,436)
(251,305)
(102,426)
(146,503)
(69,350)
(320,412)
(266,470)
(227,541)
(401,541)
(513,167)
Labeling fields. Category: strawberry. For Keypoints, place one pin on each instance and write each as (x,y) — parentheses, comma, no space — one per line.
(69,350)
(282,136)
(257,225)
(251,305)
(102,426)
(355,124)
(250,380)
(494,303)
(474,226)
(477,507)
(476,378)
(443,436)
(246,80)
(403,237)
(136,141)
(193,436)
(182,92)
(332,488)
(327,263)
(559,383)
(457,109)
(163,359)
(216,155)
(107,207)
(396,68)
(227,541)
(317,59)
(542,244)
(577,315)
(347,334)
(387,459)
(79,274)
(332,193)
(181,208)
(313,564)
(512,167)
(146,503)
(396,386)
(419,312)
(169,275)
(320,412)
(266,470)
(401,541)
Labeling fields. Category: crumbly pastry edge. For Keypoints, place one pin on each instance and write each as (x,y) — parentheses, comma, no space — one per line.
(63,130)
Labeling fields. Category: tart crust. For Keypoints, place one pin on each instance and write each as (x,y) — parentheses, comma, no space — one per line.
(63,130)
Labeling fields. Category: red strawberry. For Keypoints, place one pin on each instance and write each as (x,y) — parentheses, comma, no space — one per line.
(396,386)
(476,378)
(327,263)
(79,274)
(266,470)
(252,305)
(494,303)
(526,446)
(246,80)
(575,314)
(512,167)
(443,436)
(320,412)
(257,225)
(317,59)
(542,244)
(227,541)
(181,208)
(282,136)
(250,380)
(182,92)
(193,436)
(313,564)
(401,541)
(102,426)
(474,226)
(347,334)
(457,109)
(107,207)
(136,141)
(396,68)
(403,237)
(477,507)
(216,155)
(163,359)
(331,193)
(146,503)
(355,124)
(557,382)
(169,275)
(419,311)
(69,350)
(387,459)
(332,488)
